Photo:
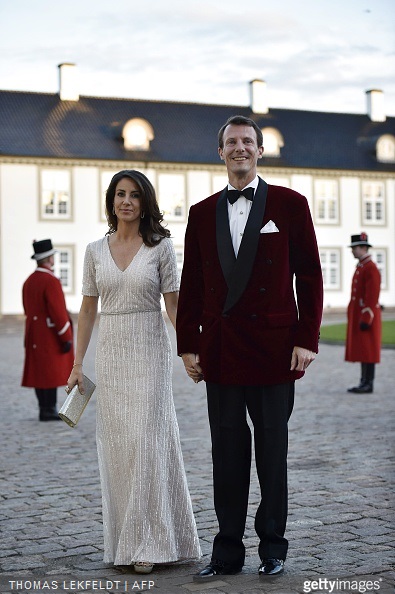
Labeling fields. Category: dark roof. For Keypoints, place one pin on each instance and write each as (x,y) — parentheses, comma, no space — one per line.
(42,125)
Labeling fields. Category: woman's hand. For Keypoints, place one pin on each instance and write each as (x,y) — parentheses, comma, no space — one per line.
(76,378)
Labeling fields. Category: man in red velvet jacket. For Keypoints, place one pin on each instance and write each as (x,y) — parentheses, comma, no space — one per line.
(240,328)
(49,352)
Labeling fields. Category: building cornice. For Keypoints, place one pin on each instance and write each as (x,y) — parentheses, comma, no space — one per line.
(172,166)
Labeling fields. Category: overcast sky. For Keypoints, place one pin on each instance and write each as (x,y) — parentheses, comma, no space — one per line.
(313,54)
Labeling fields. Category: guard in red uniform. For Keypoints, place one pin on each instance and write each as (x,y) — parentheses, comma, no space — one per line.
(48,332)
(363,342)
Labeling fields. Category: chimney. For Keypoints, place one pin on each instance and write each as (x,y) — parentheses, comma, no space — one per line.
(258,101)
(375,105)
(68,82)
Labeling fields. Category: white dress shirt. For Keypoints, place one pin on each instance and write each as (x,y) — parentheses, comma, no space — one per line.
(238,214)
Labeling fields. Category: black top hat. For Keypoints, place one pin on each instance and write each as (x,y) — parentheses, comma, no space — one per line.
(361,239)
(42,249)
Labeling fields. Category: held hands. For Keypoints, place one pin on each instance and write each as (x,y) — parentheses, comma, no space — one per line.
(301,359)
(76,377)
(192,366)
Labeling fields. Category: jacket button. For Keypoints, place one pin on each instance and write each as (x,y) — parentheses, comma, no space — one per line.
(34,346)
(34,318)
(262,290)
(253,316)
(212,289)
(268,261)
(225,315)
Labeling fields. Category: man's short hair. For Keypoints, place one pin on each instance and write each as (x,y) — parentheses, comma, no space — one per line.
(239,120)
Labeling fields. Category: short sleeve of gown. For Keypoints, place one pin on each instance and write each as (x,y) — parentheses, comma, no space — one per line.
(89,286)
(169,278)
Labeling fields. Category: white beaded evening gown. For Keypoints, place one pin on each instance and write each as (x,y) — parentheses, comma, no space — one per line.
(147,510)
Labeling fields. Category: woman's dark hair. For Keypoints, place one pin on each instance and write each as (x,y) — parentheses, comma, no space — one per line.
(151,229)
(239,120)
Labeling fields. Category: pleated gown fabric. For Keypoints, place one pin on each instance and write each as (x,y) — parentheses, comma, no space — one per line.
(147,510)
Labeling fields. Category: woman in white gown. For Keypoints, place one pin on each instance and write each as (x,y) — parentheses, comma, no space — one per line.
(147,511)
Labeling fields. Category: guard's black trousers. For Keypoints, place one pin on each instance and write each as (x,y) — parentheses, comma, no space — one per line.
(46,397)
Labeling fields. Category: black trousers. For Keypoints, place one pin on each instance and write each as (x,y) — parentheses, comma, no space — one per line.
(367,373)
(46,397)
(269,408)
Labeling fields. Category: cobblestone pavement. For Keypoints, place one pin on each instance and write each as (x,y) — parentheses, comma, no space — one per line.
(340,524)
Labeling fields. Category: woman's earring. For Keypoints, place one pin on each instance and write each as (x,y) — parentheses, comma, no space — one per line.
(113,209)
(142,214)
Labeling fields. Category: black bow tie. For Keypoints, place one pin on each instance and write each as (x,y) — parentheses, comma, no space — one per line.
(233,195)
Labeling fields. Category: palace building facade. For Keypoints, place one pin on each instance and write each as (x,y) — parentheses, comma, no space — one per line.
(59,151)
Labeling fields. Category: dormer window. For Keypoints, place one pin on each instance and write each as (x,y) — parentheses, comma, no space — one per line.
(385,148)
(272,142)
(137,135)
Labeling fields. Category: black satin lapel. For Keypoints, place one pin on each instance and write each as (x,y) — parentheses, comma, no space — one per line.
(225,249)
(245,259)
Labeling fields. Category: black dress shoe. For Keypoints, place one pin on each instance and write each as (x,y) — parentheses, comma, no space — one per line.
(362,389)
(49,414)
(215,569)
(271,566)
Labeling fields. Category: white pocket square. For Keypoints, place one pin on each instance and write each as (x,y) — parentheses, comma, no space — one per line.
(270,227)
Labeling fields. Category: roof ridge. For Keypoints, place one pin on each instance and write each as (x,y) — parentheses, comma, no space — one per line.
(191,103)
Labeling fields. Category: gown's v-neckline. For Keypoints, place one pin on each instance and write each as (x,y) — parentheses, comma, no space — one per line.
(131,261)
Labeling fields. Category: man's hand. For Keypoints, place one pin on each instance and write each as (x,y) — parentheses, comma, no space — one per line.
(192,366)
(301,359)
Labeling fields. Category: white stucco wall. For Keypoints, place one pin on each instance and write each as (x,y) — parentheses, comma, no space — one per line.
(20,223)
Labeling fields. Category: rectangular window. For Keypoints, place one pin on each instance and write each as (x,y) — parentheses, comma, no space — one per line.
(277,181)
(63,267)
(330,263)
(326,201)
(379,256)
(171,196)
(219,182)
(373,203)
(55,194)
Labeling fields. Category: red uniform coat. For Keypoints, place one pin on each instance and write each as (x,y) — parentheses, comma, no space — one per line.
(364,345)
(240,314)
(48,325)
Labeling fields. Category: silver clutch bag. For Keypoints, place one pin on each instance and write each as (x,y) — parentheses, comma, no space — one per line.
(75,403)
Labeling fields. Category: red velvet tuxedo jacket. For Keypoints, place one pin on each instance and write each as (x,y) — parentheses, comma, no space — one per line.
(48,325)
(364,346)
(240,314)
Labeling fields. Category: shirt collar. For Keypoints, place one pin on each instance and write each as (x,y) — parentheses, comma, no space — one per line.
(42,269)
(366,258)
(253,184)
